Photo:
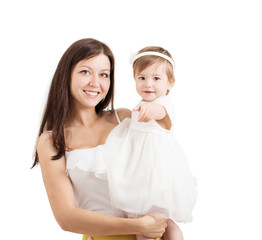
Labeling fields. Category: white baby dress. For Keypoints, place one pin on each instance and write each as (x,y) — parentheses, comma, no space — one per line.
(147,170)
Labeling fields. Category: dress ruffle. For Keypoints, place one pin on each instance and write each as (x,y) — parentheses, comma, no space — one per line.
(82,159)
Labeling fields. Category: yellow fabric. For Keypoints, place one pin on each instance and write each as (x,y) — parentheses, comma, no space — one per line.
(119,237)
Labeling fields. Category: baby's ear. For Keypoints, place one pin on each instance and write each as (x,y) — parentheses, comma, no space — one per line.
(171,83)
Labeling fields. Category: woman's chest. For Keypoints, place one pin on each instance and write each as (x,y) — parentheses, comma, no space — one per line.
(88,137)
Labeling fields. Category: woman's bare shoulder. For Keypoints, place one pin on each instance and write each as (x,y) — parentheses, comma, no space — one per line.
(44,138)
(123,113)
(45,145)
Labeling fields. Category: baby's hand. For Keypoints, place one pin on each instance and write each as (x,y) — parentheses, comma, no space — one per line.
(150,111)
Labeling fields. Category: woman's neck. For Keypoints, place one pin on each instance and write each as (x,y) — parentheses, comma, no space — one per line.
(83,117)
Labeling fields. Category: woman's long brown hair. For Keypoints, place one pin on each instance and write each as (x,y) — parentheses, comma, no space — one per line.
(57,110)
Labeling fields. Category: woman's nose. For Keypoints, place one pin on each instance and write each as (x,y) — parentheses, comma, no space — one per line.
(94,81)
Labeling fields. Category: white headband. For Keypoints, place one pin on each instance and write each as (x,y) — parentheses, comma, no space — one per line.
(154,54)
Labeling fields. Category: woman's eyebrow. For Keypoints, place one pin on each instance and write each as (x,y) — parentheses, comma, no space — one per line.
(84,66)
(106,69)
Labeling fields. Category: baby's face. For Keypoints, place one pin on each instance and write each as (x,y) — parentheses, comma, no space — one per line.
(152,82)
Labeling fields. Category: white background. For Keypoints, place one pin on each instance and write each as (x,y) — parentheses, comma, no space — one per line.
(217,96)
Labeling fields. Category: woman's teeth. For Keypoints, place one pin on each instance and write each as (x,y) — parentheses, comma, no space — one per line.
(91,93)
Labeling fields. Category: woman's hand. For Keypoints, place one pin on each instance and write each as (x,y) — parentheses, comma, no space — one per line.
(153,226)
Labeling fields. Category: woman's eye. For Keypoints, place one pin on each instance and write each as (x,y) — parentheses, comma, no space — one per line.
(104,75)
(141,78)
(85,72)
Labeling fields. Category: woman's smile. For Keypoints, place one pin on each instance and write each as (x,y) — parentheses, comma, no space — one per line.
(92,94)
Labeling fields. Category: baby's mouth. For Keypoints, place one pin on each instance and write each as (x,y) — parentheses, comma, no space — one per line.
(149,91)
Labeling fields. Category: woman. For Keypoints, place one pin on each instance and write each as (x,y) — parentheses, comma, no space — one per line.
(70,146)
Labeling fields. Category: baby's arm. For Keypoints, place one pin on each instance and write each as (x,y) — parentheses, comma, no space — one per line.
(150,111)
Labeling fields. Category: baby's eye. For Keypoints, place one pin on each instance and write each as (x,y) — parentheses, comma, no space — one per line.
(156,78)
(85,72)
(141,78)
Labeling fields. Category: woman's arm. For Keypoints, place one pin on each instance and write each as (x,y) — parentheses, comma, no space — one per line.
(69,217)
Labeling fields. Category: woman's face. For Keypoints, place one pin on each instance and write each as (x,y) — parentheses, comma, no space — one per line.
(90,81)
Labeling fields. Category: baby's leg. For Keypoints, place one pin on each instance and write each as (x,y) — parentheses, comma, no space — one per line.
(173,232)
